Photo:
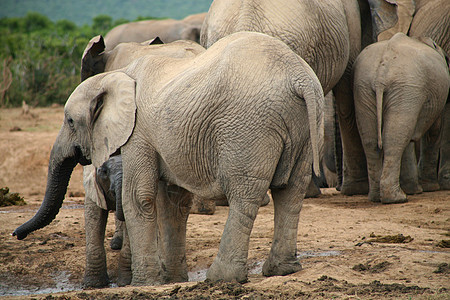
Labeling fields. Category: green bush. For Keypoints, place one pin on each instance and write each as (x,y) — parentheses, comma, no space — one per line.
(40,59)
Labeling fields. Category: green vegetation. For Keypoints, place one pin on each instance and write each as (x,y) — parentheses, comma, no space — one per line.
(83,11)
(40,58)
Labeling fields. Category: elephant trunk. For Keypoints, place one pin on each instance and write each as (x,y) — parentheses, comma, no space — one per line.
(118,191)
(59,172)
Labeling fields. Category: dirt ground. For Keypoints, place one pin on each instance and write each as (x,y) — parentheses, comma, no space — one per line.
(350,248)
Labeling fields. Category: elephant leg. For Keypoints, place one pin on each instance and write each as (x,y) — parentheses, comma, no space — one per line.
(429,158)
(366,118)
(374,168)
(355,179)
(117,239)
(444,152)
(140,188)
(313,189)
(173,205)
(390,190)
(287,202)
(409,175)
(244,199)
(125,275)
(95,225)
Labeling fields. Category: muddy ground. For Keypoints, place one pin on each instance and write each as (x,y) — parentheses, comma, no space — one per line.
(349,247)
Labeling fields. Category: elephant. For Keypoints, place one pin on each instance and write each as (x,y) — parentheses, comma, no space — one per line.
(97,60)
(168,30)
(328,35)
(103,185)
(183,122)
(400,87)
(432,19)
(196,20)
(429,18)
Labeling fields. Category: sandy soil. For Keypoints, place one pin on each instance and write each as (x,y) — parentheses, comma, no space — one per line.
(341,240)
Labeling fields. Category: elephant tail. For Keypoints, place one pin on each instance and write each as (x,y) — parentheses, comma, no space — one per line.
(379,91)
(311,90)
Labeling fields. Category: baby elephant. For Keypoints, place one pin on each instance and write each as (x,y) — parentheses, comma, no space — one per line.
(400,90)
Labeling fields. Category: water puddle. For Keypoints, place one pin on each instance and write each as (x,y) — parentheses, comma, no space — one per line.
(61,280)
(256,268)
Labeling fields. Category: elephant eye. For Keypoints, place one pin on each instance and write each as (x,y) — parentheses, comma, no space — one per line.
(70,121)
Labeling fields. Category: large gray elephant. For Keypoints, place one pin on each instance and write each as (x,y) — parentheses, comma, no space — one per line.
(97,60)
(432,19)
(429,18)
(400,86)
(328,35)
(182,121)
(168,30)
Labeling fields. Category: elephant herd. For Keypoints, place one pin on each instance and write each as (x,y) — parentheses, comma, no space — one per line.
(158,126)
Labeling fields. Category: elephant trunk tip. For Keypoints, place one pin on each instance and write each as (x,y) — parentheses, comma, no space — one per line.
(19,234)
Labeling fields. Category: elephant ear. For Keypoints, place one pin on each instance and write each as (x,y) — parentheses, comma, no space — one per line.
(431,43)
(405,12)
(112,115)
(92,61)
(384,15)
(156,41)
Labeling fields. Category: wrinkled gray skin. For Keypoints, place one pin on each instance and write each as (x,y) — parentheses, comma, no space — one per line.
(103,185)
(427,18)
(432,19)
(206,143)
(96,60)
(328,35)
(400,87)
(168,30)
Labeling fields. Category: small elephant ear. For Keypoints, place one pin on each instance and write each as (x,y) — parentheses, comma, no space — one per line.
(430,42)
(405,12)
(156,41)
(112,115)
(384,15)
(92,60)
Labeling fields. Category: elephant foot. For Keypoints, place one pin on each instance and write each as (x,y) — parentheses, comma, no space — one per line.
(272,267)
(412,188)
(203,206)
(444,180)
(313,190)
(141,281)
(116,242)
(395,195)
(227,272)
(352,186)
(374,196)
(95,280)
(429,187)
(124,278)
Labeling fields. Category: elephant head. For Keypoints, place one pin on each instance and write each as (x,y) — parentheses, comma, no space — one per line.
(109,179)
(96,60)
(98,119)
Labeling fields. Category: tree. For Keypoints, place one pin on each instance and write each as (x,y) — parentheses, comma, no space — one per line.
(102,23)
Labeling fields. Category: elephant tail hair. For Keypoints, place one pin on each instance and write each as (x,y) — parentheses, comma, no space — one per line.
(379,91)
